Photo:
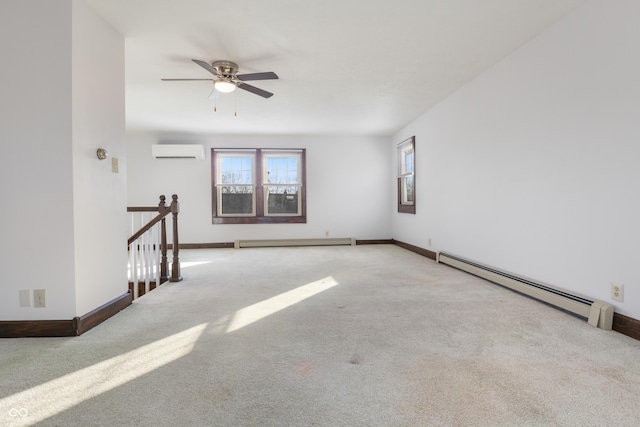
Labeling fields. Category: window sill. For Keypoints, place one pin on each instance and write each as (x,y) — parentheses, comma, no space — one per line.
(260,220)
(410,209)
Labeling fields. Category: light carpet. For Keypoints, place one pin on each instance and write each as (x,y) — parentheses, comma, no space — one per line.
(325,336)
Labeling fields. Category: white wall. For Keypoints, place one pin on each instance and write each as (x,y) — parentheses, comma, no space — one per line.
(63,220)
(347,186)
(99,195)
(35,158)
(533,166)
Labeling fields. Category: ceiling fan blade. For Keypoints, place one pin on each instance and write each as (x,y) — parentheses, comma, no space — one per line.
(253,89)
(206,66)
(269,75)
(184,80)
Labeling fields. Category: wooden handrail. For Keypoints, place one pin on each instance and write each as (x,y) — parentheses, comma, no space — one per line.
(142,209)
(166,211)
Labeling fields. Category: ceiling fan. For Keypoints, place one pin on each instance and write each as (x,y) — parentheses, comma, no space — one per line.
(227,78)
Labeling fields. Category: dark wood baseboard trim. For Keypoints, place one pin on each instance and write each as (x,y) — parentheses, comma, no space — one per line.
(102,313)
(375,242)
(626,325)
(38,328)
(64,328)
(420,251)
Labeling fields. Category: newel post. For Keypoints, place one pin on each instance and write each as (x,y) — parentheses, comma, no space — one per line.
(175,266)
(164,264)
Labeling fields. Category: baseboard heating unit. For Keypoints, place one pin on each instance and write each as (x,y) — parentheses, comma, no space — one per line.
(597,313)
(294,242)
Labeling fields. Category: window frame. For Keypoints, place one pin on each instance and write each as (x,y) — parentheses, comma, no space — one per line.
(404,205)
(238,153)
(267,154)
(259,193)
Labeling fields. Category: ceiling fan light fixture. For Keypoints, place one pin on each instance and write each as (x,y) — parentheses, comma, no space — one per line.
(224,86)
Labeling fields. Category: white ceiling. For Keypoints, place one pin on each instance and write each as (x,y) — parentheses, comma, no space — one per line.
(345,66)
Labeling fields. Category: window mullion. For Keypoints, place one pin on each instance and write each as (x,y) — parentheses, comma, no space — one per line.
(258,178)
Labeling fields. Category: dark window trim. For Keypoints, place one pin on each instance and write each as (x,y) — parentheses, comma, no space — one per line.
(402,208)
(260,218)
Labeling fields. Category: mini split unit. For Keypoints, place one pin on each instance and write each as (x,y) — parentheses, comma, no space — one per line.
(177,151)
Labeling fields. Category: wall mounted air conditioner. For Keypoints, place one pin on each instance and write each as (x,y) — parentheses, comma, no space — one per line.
(177,151)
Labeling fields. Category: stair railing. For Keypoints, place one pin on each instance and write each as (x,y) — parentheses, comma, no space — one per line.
(148,263)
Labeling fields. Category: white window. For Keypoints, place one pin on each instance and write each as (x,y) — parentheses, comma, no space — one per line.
(406,176)
(235,182)
(282,182)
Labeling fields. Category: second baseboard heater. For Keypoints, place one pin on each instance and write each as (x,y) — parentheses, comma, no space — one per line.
(294,242)
(597,313)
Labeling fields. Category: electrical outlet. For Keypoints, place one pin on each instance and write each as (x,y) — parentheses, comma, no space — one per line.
(39,298)
(25,298)
(326,234)
(429,241)
(114,164)
(617,292)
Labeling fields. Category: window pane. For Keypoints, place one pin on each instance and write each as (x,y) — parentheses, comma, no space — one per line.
(225,163)
(408,167)
(237,200)
(246,163)
(407,197)
(282,170)
(236,163)
(282,200)
(236,170)
(273,177)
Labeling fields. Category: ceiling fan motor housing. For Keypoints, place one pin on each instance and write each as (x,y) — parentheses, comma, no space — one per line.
(225,68)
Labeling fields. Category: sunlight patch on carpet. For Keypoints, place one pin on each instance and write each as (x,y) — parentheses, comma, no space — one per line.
(258,311)
(46,400)
(187,264)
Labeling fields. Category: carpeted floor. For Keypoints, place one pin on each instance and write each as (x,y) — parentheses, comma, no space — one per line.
(325,336)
